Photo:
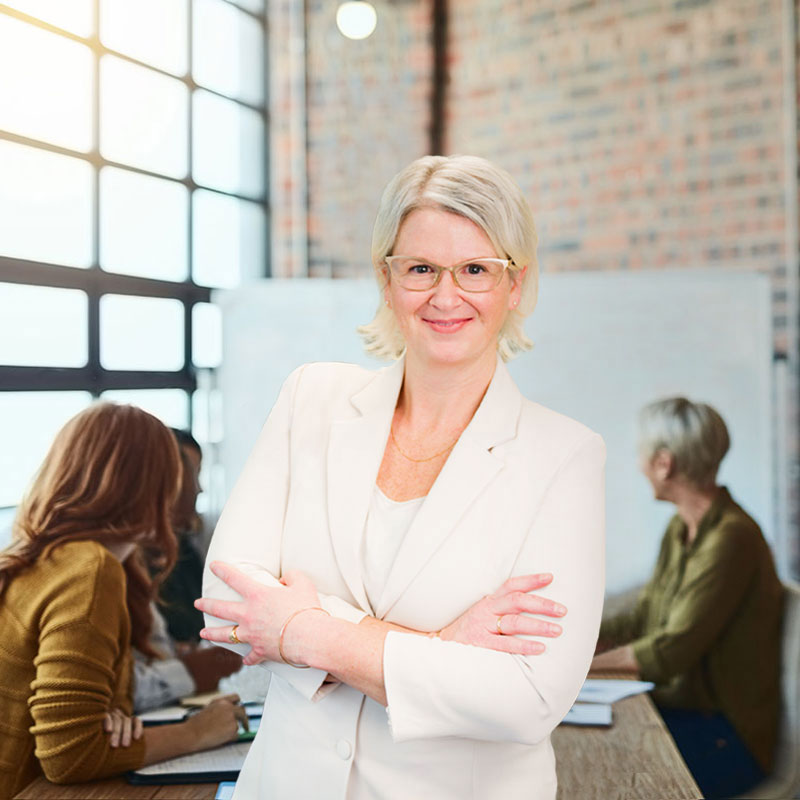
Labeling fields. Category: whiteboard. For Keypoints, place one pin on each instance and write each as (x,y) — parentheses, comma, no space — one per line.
(605,344)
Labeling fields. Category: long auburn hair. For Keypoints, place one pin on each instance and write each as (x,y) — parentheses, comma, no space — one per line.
(112,475)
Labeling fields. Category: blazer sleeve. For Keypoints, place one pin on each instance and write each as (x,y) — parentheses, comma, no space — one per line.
(436,688)
(248,534)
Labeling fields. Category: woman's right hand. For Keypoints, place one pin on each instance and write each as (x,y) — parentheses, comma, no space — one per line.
(497,620)
(218,722)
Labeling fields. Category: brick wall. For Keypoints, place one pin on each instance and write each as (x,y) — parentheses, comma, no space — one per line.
(367,117)
(288,223)
(645,134)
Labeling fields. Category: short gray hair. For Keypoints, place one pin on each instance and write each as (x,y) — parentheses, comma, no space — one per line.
(473,188)
(694,433)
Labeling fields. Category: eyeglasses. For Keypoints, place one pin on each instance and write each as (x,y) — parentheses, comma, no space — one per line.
(472,275)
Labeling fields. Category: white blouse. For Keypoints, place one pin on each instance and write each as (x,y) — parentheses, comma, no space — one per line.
(387,523)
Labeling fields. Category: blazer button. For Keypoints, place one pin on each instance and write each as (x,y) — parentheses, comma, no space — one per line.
(343,749)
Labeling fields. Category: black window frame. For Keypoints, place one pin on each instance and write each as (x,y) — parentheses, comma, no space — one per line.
(94,280)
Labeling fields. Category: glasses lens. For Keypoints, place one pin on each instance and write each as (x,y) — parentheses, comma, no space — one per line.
(413,273)
(479,276)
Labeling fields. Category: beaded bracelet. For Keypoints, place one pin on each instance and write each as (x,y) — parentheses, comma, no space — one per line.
(283,631)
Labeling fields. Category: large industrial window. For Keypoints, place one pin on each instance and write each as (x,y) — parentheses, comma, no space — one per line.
(132,182)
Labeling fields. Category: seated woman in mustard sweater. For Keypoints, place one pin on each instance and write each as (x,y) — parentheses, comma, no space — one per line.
(74,597)
(706,627)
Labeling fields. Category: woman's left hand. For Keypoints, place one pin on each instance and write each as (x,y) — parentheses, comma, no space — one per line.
(122,729)
(261,613)
(497,620)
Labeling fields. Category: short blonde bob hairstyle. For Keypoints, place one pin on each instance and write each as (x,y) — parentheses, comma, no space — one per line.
(693,433)
(474,188)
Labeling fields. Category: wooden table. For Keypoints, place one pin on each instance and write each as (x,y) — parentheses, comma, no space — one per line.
(116,789)
(634,759)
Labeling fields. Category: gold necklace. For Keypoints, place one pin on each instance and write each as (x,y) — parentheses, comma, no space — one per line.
(418,460)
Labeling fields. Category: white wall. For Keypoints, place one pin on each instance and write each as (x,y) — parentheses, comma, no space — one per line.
(605,345)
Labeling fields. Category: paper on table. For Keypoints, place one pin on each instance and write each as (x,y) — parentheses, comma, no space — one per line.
(588,714)
(200,700)
(609,691)
(253,709)
(166,714)
(228,758)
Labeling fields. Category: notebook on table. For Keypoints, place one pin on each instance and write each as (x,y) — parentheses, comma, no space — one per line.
(211,766)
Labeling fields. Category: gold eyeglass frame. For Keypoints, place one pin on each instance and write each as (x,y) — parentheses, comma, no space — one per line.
(440,270)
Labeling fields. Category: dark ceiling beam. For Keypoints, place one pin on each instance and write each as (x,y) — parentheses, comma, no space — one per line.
(439,76)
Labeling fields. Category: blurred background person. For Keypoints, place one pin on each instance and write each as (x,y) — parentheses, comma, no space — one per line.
(174,672)
(706,627)
(75,595)
(181,668)
(184,584)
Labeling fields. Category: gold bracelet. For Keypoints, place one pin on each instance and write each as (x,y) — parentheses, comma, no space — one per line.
(283,631)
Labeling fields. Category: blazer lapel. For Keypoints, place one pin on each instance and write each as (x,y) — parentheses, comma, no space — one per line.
(355,451)
(468,470)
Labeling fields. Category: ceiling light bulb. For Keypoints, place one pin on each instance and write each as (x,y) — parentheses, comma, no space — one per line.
(356,19)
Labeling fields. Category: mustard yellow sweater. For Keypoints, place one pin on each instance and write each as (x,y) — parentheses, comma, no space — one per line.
(65,660)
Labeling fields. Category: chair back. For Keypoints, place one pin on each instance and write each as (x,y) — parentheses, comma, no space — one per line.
(785,779)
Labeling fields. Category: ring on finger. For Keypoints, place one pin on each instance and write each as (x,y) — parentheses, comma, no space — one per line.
(232,637)
(499,620)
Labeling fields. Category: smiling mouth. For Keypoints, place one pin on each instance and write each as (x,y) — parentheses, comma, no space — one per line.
(447,324)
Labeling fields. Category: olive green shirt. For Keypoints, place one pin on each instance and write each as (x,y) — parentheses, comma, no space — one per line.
(706,628)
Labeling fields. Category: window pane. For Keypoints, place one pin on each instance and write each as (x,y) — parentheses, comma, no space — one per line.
(143,225)
(227,240)
(6,521)
(143,117)
(228,51)
(42,327)
(206,416)
(45,192)
(153,31)
(71,15)
(228,142)
(50,94)
(29,422)
(143,333)
(171,406)
(206,335)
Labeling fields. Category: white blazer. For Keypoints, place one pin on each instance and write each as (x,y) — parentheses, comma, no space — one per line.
(521,492)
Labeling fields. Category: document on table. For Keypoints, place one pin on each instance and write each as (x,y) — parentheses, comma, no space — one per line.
(610,691)
(207,766)
(588,714)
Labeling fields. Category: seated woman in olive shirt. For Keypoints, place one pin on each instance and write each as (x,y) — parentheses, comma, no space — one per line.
(706,627)
(75,595)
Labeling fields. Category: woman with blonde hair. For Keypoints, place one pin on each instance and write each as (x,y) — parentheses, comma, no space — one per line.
(378,552)
(75,595)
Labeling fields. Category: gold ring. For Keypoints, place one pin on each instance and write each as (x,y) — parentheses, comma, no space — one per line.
(232,637)
(499,620)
